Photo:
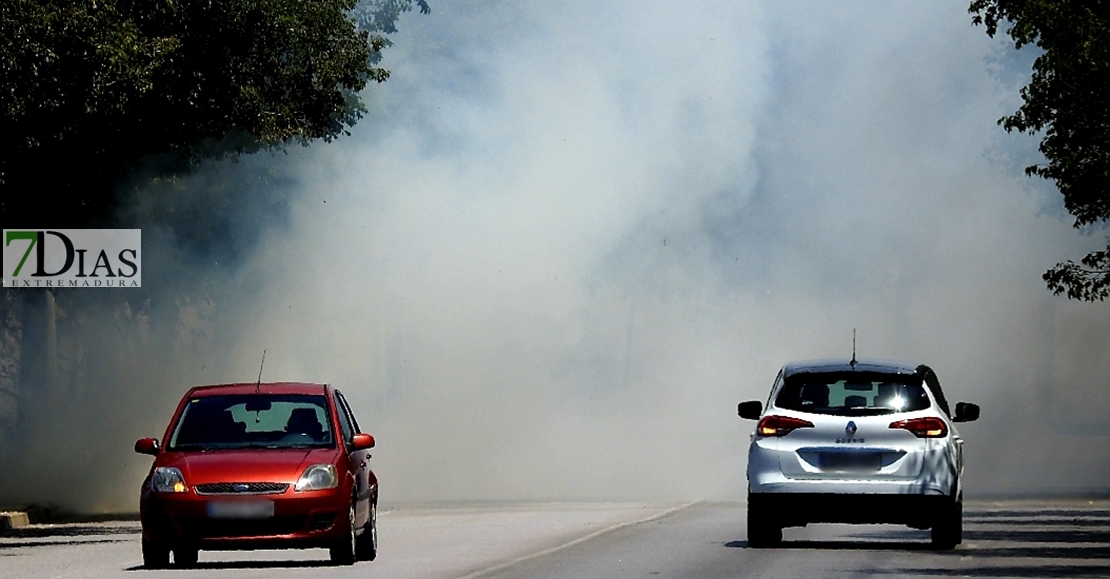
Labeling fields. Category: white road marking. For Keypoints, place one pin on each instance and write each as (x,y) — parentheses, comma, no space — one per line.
(507,564)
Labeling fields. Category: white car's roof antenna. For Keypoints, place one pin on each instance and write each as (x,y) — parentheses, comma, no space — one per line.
(258,384)
(853,363)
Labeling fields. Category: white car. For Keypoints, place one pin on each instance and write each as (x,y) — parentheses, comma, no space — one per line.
(856,442)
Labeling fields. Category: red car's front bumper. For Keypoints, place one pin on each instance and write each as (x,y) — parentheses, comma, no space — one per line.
(300,520)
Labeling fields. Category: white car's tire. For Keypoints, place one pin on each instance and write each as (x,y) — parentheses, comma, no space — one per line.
(948,528)
(763,530)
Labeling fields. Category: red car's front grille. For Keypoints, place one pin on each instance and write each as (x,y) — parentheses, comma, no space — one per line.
(203,528)
(254,488)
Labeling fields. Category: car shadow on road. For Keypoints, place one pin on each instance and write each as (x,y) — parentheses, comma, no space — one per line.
(1075,534)
(30,544)
(69,530)
(1032,570)
(247,564)
(53,535)
(1039,515)
(1018,535)
(1051,543)
(842,545)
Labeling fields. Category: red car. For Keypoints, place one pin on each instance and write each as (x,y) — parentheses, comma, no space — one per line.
(259,466)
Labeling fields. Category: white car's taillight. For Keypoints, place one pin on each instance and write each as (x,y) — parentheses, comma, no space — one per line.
(928,427)
(775,425)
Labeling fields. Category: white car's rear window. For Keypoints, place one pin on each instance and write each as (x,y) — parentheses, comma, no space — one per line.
(852,393)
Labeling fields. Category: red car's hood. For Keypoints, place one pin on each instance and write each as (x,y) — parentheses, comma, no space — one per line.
(248,465)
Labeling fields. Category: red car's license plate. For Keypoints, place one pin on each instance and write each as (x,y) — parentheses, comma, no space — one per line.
(241,509)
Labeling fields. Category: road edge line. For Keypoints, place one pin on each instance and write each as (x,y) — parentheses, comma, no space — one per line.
(568,544)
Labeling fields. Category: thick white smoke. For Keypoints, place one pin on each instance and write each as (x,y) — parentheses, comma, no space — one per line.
(571,236)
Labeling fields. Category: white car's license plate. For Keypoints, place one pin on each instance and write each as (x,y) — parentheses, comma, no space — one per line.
(852,461)
(241,509)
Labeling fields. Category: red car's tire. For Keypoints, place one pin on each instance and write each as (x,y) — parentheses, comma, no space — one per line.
(343,550)
(366,546)
(155,555)
(185,556)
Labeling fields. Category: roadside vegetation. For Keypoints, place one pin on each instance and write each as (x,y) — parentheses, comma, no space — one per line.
(1067,104)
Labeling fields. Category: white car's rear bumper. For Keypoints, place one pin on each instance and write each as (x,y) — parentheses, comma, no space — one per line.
(777,483)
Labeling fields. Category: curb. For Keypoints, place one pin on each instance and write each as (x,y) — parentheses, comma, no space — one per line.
(13,520)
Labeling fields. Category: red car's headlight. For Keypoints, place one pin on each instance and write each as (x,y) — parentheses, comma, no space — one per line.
(318,477)
(167,479)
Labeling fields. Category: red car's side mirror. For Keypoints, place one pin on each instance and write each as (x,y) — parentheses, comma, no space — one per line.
(362,442)
(147,446)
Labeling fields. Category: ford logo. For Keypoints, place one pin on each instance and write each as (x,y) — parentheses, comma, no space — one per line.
(850,430)
(240,488)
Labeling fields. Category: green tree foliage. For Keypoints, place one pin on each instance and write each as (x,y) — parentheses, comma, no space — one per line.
(1068,101)
(88,88)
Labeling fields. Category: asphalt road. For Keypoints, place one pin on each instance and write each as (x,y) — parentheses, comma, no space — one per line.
(705,540)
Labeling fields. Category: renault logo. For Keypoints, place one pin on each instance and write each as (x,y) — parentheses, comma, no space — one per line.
(850,430)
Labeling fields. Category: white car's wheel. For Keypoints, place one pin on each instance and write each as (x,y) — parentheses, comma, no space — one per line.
(763,530)
(947,530)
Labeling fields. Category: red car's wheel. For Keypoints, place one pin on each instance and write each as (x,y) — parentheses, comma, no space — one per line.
(366,547)
(343,551)
(185,556)
(155,556)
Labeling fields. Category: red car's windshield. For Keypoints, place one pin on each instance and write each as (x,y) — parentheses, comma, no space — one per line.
(253,421)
